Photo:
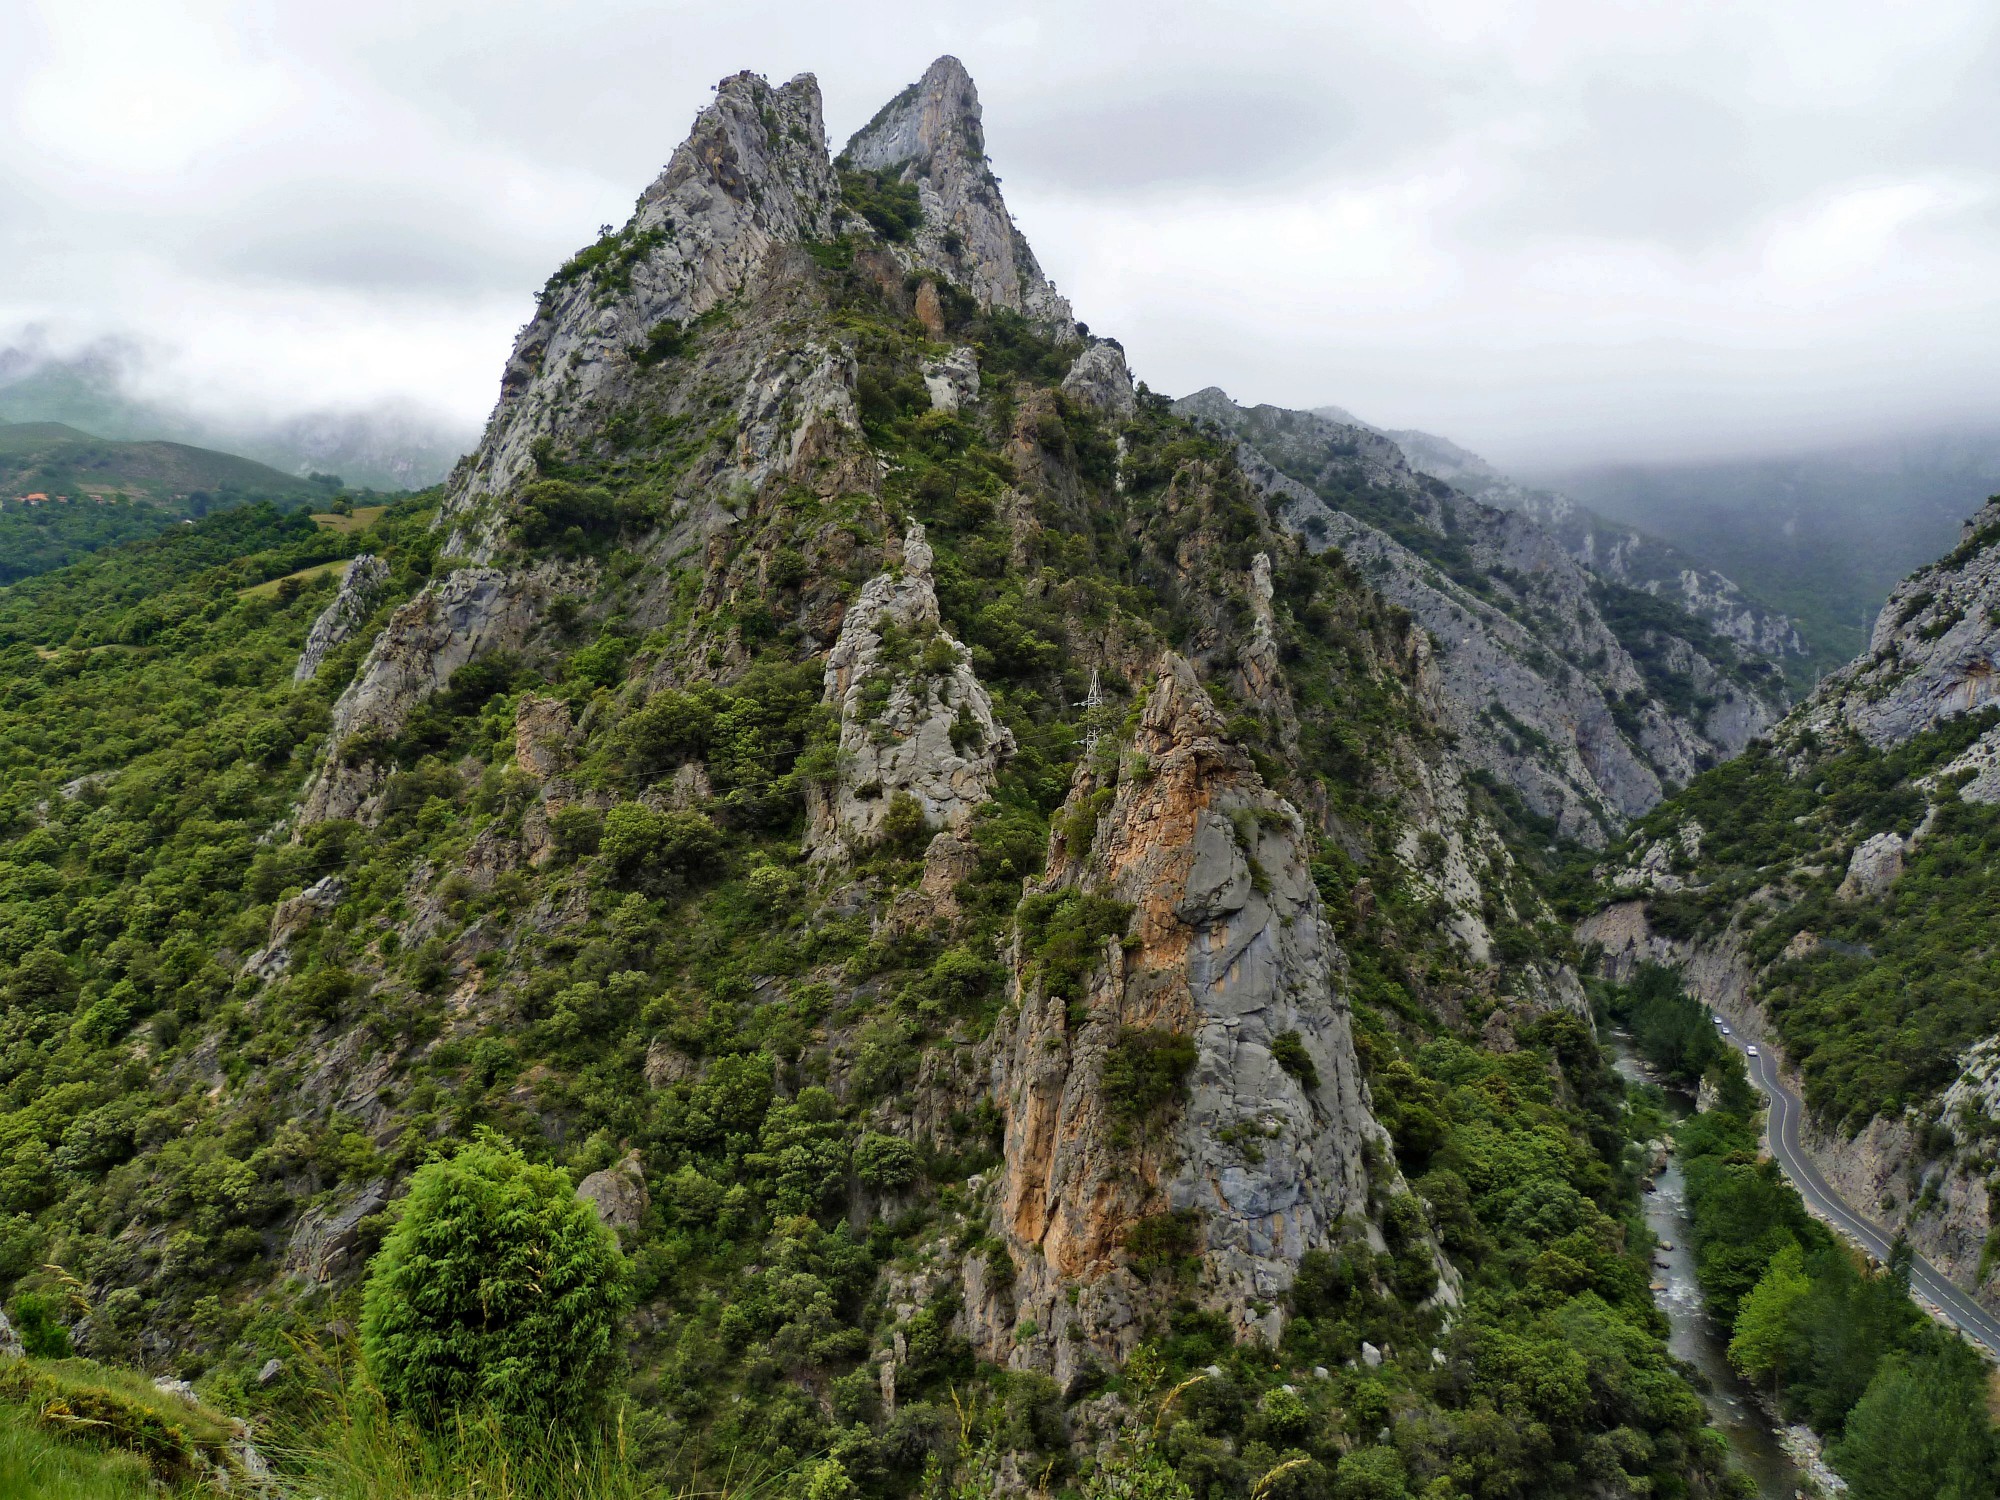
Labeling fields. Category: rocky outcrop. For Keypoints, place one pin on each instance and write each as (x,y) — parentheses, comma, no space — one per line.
(1229,952)
(1873,868)
(325,1242)
(952,379)
(752,175)
(618,1192)
(291,917)
(471,612)
(1935,650)
(914,720)
(930,135)
(360,586)
(794,419)
(1100,378)
(1537,686)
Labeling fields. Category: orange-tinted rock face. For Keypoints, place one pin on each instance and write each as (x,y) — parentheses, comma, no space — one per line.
(1228,949)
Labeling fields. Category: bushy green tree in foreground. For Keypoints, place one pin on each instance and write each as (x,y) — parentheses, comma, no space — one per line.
(497,1288)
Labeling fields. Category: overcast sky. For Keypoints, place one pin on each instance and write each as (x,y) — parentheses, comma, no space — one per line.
(1569,229)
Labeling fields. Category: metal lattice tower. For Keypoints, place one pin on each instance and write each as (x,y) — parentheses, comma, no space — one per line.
(1092,702)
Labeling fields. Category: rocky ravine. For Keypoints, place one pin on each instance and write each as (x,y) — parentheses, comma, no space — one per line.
(1935,652)
(1622,554)
(1883,1161)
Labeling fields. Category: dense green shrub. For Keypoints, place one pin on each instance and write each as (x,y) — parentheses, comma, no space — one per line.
(644,842)
(1288,1049)
(891,206)
(1146,1069)
(497,1289)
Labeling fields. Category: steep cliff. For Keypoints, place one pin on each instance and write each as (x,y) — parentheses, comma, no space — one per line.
(930,137)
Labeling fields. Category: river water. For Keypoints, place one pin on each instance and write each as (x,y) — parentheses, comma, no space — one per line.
(1693,1335)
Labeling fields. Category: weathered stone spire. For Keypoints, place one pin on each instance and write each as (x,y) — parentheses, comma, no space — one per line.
(753,173)
(931,135)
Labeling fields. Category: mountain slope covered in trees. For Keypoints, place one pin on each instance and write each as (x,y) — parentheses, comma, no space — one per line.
(1001,928)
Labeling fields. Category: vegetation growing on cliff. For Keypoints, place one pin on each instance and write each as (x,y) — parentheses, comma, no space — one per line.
(1838,1343)
(1878,1000)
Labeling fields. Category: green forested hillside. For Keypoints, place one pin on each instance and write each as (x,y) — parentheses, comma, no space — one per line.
(844,914)
(99,492)
(162,1131)
(1879,1002)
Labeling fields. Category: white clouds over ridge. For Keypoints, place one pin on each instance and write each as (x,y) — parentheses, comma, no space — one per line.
(1550,230)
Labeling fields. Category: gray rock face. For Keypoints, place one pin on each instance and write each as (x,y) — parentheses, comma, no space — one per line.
(325,1240)
(1873,868)
(930,135)
(952,379)
(913,716)
(291,917)
(753,174)
(471,612)
(1538,687)
(1622,554)
(1229,948)
(359,587)
(10,1341)
(1935,651)
(618,1193)
(1101,379)
(1980,762)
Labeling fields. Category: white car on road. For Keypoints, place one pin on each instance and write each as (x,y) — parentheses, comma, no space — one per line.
(1752,1051)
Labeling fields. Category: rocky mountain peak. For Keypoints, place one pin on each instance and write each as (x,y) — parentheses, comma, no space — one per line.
(931,136)
(753,173)
(939,113)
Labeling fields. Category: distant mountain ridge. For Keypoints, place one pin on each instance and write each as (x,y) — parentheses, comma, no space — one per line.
(1585,697)
(388,446)
(57,460)
(1824,535)
(1617,551)
(65,494)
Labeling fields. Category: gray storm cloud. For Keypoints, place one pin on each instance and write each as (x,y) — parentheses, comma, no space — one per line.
(1557,231)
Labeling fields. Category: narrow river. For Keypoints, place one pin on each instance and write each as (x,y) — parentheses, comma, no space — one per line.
(1694,1335)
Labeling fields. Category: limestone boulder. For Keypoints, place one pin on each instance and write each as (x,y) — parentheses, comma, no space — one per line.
(618,1193)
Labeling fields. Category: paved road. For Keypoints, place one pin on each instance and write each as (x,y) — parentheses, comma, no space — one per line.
(1926,1281)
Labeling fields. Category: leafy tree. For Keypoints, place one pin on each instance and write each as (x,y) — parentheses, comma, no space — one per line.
(496,1288)
(1920,1432)
(1767,1322)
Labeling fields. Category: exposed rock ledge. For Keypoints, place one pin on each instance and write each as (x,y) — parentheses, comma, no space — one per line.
(914,719)
(1229,948)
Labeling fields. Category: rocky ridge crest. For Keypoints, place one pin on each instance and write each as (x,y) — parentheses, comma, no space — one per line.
(931,137)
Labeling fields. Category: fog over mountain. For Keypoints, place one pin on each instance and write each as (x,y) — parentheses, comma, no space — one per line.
(1822,534)
(1567,234)
(105,388)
